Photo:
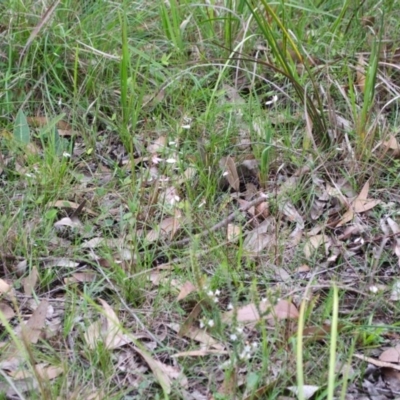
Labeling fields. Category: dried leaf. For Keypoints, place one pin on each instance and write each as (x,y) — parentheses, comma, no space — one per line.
(157,145)
(391,355)
(362,203)
(246,314)
(233,233)
(313,243)
(80,277)
(161,371)
(230,172)
(32,330)
(186,289)
(199,335)
(308,390)
(283,310)
(61,262)
(72,223)
(70,204)
(393,146)
(360,73)
(5,287)
(166,229)
(6,311)
(29,282)
(199,353)
(292,214)
(109,332)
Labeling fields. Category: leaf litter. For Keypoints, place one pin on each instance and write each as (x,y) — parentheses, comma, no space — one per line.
(307,222)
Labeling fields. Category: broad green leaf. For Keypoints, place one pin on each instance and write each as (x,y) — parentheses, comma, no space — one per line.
(21,129)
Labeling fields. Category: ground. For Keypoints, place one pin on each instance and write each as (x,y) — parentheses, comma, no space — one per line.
(199,200)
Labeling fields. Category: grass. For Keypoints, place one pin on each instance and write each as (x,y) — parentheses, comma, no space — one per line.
(123,128)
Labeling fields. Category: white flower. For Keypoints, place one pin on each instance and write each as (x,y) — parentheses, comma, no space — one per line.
(211,323)
(233,337)
(217,292)
(230,307)
(186,126)
(170,161)
(373,289)
(66,155)
(201,324)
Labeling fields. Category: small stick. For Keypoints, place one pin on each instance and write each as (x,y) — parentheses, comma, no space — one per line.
(222,223)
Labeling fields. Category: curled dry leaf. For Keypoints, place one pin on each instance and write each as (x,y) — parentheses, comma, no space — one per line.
(228,167)
(71,222)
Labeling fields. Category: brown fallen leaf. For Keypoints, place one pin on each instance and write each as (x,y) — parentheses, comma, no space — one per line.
(72,205)
(359,205)
(186,289)
(230,172)
(30,281)
(199,353)
(41,121)
(166,229)
(199,335)
(233,233)
(80,277)
(43,370)
(391,355)
(7,312)
(392,146)
(362,203)
(164,373)
(32,330)
(110,332)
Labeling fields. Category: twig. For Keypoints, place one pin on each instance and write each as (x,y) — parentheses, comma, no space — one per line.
(222,223)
